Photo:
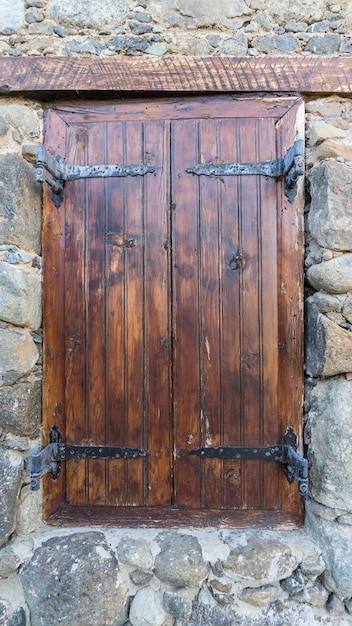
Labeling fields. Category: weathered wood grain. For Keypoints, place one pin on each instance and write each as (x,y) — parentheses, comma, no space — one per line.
(79,76)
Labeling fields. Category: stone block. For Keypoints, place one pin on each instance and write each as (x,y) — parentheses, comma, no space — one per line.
(178,603)
(336,545)
(88,13)
(80,585)
(18,354)
(147,608)
(330,444)
(236,46)
(285,10)
(22,117)
(11,15)
(334,276)
(321,130)
(20,203)
(11,467)
(9,561)
(20,295)
(324,44)
(315,595)
(276,44)
(329,149)
(135,551)
(260,596)
(180,562)
(330,215)
(201,14)
(328,346)
(20,406)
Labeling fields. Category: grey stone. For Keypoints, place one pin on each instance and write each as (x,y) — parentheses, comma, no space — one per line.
(330,445)
(259,596)
(312,564)
(20,203)
(140,29)
(80,585)
(88,13)
(180,561)
(135,551)
(347,309)
(140,578)
(156,50)
(18,354)
(325,303)
(318,27)
(296,27)
(294,583)
(90,45)
(128,44)
(11,14)
(324,44)
(263,20)
(20,406)
(348,605)
(11,467)
(276,44)
(43,28)
(5,612)
(316,595)
(178,603)
(333,276)
(34,3)
(9,562)
(330,215)
(345,519)
(334,605)
(34,15)
(328,346)
(260,562)
(237,45)
(20,295)
(207,13)
(4,127)
(19,617)
(147,608)
(285,10)
(141,16)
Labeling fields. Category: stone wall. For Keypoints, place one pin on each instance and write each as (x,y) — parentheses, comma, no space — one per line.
(173,578)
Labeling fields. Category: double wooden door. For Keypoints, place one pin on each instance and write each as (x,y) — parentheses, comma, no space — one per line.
(172,309)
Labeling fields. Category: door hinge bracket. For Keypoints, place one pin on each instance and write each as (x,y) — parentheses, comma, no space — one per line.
(62,172)
(49,459)
(290,167)
(296,466)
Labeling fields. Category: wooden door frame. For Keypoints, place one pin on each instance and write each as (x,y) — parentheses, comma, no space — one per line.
(48,79)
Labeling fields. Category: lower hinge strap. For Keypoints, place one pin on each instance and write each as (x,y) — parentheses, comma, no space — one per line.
(296,466)
(49,459)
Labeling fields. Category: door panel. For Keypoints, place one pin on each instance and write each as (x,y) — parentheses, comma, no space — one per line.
(170,319)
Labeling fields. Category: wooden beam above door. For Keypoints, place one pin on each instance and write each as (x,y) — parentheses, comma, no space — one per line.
(43,76)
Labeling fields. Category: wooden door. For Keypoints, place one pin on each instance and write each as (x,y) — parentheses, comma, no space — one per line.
(173,310)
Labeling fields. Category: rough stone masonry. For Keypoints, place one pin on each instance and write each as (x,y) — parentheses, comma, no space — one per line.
(172,577)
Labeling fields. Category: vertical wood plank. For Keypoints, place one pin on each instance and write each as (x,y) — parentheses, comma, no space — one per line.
(210,322)
(135,310)
(158,339)
(75,315)
(95,312)
(251,350)
(231,314)
(116,412)
(185,204)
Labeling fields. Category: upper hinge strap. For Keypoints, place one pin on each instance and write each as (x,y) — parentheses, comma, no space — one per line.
(291,166)
(62,172)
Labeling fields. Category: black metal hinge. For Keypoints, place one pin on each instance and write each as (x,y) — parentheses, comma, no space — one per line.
(49,459)
(61,172)
(296,466)
(291,167)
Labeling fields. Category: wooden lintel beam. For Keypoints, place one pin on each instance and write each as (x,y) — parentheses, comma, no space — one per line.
(45,75)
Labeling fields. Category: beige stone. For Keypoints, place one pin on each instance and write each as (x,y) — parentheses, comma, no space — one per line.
(321,131)
(330,149)
(329,349)
(20,295)
(260,596)
(18,354)
(333,276)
